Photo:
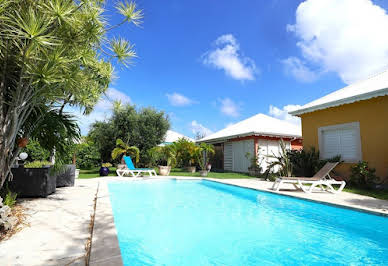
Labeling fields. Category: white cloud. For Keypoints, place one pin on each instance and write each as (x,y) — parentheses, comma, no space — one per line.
(197,127)
(293,66)
(347,37)
(177,99)
(229,107)
(226,56)
(282,113)
(102,110)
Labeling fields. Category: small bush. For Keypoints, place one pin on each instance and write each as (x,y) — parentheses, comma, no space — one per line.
(363,176)
(10,198)
(37,164)
(106,165)
(35,151)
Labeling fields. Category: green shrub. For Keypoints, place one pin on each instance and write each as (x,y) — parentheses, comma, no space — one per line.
(37,164)
(362,175)
(35,151)
(106,165)
(9,197)
(87,156)
(306,162)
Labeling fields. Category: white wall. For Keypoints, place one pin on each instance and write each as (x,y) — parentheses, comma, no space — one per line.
(234,155)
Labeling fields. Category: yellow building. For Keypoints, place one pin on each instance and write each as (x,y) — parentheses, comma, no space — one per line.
(351,122)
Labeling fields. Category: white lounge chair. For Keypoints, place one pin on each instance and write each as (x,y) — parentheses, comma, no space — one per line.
(322,179)
(135,172)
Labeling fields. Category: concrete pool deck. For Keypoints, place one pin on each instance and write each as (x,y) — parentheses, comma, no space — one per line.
(59,226)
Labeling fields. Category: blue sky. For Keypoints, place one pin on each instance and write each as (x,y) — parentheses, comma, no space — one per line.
(208,64)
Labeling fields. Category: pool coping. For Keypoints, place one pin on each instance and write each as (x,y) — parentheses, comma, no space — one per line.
(301,197)
(105,249)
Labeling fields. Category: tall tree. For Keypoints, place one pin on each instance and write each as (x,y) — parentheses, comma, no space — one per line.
(144,128)
(53,53)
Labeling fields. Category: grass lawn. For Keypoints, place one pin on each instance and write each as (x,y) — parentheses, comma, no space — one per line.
(93,173)
(378,194)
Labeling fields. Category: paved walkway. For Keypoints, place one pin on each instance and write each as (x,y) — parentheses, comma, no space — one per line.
(59,224)
(57,230)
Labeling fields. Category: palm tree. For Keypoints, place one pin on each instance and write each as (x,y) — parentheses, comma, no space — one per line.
(123,148)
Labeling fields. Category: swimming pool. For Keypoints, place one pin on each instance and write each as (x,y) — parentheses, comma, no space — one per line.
(168,222)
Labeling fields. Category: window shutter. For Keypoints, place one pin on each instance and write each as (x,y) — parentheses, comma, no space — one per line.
(341,140)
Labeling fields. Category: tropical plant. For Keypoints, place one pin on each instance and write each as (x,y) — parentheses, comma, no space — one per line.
(53,53)
(163,155)
(281,161)
(35,151)
(306,162)
(203,153)
(123,149)
(185,152)
(144,128)
(363,176)
(56,131)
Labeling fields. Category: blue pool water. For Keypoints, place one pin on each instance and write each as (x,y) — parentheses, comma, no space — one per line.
(165,222)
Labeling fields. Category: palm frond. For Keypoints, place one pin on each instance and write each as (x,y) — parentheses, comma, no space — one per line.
(130,12)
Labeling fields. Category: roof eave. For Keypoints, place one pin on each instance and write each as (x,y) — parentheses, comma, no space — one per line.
(361,97)
(223,139)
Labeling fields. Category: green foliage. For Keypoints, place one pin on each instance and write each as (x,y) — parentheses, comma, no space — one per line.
(124,149)
(106,165)
(203,152)
(163,155)
(35,151)
(9,197)
(306,162)
(185,152)
(282,161)
(54,53)
(363,176)
(144,128)
(87,155)
(37,164)
(56,131)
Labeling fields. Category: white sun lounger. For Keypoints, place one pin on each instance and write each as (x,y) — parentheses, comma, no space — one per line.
(322,179)
(135,172)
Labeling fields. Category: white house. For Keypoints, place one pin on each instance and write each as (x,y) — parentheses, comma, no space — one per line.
(259,134)
(172,136)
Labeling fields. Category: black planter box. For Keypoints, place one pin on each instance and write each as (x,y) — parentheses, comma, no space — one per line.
(33,182)
(66,177)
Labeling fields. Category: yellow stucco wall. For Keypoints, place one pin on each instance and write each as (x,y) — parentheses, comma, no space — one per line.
(372,115)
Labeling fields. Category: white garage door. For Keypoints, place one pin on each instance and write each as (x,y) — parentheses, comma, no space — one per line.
(240,148)
(269,148)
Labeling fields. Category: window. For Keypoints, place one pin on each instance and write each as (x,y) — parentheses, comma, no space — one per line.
(343,139)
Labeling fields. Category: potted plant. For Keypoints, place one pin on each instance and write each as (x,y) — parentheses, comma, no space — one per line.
(104,170)
(35,179)
(165,157)
(203,152)
(185,154)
